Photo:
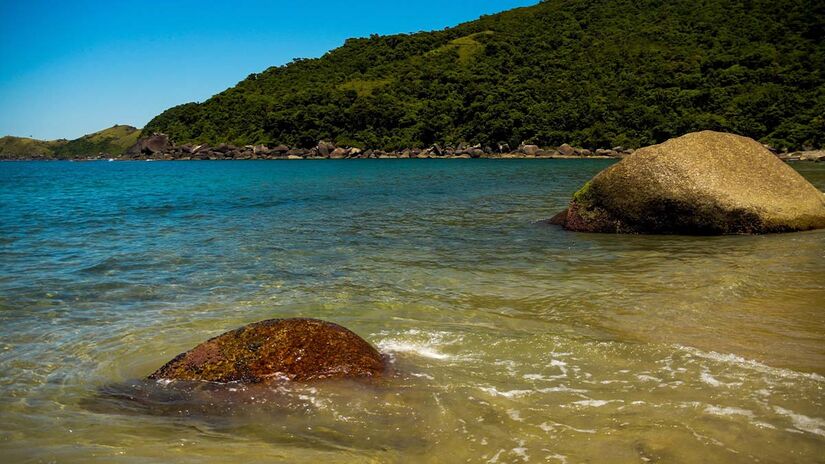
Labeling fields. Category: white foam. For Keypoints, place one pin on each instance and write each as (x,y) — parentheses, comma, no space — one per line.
(545,378)
(506,394)
(710,380)
(732,411)
(549,427)
(705,438)
(420,343)
(510,365)
(595,403)
(728,411)
(750,364)
(561,365)
(561,389)
(764,425)
(813,425)
(515,415)
(418,349)
(521,451)
(520,393)
(312,399)
(714,382)
(559,457)
(494,459)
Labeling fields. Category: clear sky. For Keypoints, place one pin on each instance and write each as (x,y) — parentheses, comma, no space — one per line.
(72,67)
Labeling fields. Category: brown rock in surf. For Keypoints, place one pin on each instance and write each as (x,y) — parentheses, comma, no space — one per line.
(277,349)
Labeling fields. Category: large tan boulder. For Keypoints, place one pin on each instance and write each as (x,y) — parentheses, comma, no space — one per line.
(274,350)
(703,183)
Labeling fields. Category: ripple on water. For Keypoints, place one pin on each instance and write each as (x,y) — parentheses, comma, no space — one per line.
(509,341)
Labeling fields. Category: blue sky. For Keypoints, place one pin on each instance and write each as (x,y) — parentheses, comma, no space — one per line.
(68,68)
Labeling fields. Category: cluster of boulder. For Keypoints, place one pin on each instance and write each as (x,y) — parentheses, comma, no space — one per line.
(159,147)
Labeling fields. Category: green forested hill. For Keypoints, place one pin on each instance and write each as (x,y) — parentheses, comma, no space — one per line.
(112,141)
(586,72)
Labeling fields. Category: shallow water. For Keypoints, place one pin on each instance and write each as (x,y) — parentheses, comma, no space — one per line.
(512,341)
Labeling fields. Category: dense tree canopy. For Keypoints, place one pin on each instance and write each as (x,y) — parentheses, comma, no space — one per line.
(595,73)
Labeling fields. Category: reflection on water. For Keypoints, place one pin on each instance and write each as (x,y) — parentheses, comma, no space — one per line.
(511,341)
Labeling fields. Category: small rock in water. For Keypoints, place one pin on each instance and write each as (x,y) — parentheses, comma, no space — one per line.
(277,349)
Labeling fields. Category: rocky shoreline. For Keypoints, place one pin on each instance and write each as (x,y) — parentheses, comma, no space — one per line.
(159,147)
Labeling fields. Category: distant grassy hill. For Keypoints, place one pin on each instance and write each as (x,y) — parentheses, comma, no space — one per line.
(11,146)
(112,141)
(595,73)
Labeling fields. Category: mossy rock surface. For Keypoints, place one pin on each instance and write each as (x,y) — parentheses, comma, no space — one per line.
(275,350)
(703,183)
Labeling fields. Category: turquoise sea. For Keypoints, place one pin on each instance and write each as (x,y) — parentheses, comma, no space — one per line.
(511,341)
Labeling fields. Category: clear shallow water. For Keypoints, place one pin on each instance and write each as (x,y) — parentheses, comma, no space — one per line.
(512,341)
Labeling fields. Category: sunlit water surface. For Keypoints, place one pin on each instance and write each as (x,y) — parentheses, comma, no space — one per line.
(511,341)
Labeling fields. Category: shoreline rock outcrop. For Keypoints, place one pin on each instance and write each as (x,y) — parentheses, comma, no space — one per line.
(148,148)
(703,183)
(159,147)
(275,350)
(152,145)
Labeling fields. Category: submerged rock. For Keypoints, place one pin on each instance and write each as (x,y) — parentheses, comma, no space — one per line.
(277,349)
(703,183)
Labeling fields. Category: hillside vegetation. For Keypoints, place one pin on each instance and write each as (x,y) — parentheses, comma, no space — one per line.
(11,146)
(112,141)
(595,73)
